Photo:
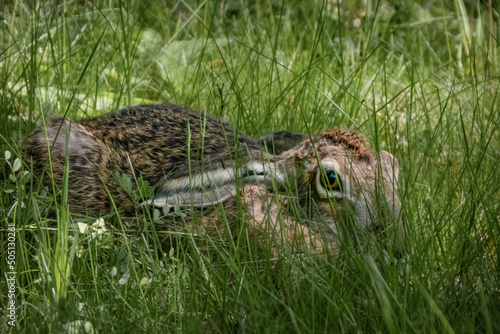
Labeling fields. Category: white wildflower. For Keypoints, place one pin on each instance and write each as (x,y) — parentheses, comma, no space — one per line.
(79,326)
(83,228)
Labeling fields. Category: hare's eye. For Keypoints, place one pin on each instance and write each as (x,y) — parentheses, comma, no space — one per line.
(330,180)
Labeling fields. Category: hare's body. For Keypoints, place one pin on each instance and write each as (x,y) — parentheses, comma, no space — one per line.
(195,160)
(150,141)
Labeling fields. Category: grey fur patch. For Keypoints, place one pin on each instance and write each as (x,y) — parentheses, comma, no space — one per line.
(195,198)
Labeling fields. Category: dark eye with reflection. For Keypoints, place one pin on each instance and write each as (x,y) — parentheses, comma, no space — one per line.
(330,180)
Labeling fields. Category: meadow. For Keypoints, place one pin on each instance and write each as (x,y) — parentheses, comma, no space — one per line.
(419,78)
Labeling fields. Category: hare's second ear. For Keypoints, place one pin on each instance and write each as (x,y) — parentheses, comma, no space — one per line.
(281,141)
(74,138)
(390,166)
(195,198)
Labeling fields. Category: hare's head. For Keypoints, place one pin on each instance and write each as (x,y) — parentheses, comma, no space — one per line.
(343,177)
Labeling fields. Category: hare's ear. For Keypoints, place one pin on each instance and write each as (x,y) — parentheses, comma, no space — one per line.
(390,166)
(197,198)
(281,141)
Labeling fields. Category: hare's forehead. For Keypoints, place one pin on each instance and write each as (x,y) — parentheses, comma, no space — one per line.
(335,151)
(328,152)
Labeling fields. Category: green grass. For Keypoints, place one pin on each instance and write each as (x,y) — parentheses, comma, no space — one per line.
(420,79)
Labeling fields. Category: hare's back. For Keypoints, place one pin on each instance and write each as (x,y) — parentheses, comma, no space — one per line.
(145,125)
(156,137)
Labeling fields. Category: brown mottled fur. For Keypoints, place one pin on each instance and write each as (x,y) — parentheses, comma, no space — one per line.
(152,141)
(351,141)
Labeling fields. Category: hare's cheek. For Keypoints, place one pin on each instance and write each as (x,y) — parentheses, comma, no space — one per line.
(327,213)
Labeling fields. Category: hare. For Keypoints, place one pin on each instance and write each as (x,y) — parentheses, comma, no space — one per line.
(194,160)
